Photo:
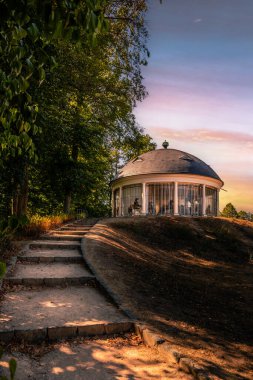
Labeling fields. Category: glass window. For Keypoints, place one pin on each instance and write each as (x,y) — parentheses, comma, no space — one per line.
(116,211)
(190,199)
(132,200)
(160,199)
(211,201)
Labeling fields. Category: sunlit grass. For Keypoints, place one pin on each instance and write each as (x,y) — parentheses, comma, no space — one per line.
(40,224)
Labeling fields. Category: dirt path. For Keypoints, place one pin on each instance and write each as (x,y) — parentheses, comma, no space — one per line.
(123,357)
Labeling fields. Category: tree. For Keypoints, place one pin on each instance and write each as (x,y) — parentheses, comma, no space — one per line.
(243,215)
(28,32)
(229,211)
(82,108)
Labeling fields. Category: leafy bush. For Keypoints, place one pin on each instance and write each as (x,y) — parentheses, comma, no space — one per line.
(12,367)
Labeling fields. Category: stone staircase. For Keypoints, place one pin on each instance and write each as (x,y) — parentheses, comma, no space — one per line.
(52,294)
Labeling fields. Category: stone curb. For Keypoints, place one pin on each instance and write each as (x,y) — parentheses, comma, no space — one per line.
(149,337)
(154,340)
(50,281)
(55,333)
(114,297)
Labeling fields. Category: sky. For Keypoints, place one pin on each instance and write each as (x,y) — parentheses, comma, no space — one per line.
(200,84)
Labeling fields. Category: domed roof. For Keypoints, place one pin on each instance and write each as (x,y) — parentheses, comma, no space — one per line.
(170,161)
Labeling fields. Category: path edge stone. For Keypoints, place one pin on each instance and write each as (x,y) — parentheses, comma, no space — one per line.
(115,298)
(154,340)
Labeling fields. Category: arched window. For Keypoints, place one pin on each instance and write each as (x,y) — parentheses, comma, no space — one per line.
(190,198)
(211,201)
(132,200)
(160,199)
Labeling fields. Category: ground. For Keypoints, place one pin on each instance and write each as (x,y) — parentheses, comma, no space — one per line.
(190,278)
(118,357)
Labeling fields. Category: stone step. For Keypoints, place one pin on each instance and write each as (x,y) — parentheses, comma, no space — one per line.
(56,236)
(52,253)
(69,232)
(50,281)
(75,228)
(56,313)
(51,244)
(50,259)
(50,274)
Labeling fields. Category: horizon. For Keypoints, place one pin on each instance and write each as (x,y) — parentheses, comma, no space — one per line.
(200,83)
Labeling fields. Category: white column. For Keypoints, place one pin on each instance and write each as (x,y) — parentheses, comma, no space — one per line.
(175,198)
(218,202)
(143,210)
(112,203)
(204,201)
(120,201)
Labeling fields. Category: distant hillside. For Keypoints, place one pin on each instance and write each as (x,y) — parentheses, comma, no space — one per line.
(191,278)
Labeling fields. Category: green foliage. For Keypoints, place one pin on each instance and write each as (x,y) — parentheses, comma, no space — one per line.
(2,269)
(229,211)
(80,97)
(16,223)
(13,224)
(28,32)
(244,215)
(12,367)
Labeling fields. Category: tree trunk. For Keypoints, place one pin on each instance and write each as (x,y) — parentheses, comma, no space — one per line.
(67,200)
(67,203)
(15,203)
(20,197)
(74,153)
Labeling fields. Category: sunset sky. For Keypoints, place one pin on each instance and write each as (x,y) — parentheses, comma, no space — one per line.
(200,84)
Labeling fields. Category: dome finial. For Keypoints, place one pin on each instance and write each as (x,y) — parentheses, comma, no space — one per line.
(165,144)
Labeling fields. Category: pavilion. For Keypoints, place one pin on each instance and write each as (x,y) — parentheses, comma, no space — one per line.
(166,182)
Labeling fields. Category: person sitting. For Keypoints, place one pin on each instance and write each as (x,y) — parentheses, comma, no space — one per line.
(136,205)
(130,210)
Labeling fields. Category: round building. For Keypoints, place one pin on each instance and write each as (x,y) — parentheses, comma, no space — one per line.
(166,182)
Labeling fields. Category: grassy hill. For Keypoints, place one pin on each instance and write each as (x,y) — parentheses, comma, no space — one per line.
(191,278)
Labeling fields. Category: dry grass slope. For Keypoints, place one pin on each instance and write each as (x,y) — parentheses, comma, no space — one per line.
(189,277)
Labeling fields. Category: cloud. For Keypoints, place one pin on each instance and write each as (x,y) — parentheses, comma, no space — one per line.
(243,139)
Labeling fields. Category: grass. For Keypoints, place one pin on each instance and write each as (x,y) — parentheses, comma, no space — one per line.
(40,224)
(217,239)
(190,278)
(24,227)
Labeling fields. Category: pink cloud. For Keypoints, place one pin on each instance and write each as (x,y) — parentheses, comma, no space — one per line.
(203,135)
